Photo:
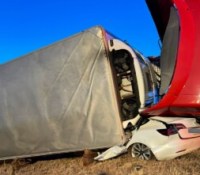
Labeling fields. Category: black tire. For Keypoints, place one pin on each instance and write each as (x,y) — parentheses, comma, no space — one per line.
(141,151)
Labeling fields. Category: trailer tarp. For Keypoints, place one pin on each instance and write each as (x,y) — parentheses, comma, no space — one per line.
(59,99)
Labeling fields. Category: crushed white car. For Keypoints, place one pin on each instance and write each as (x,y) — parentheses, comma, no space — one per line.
(162,138)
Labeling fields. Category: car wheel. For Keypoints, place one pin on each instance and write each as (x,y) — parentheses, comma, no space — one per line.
(141,151)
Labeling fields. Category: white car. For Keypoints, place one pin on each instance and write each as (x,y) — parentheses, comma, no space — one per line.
(160,137)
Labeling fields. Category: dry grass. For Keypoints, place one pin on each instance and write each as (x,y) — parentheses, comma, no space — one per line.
(124,165)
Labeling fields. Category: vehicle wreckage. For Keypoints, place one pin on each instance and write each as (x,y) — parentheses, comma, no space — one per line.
(66,97)
(94,91)
(170,128)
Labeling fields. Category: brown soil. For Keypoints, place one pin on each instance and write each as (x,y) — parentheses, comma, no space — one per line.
(123,165)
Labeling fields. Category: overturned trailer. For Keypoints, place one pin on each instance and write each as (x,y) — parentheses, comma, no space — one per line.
(66,97)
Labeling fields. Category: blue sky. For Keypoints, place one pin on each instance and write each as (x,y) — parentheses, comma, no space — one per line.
(27,25)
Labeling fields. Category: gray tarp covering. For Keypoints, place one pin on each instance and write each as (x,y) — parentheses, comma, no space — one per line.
(59,99)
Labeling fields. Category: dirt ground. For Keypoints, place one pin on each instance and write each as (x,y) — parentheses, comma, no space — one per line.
(123,165)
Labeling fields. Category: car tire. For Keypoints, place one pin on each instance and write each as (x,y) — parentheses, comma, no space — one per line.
(141,151)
